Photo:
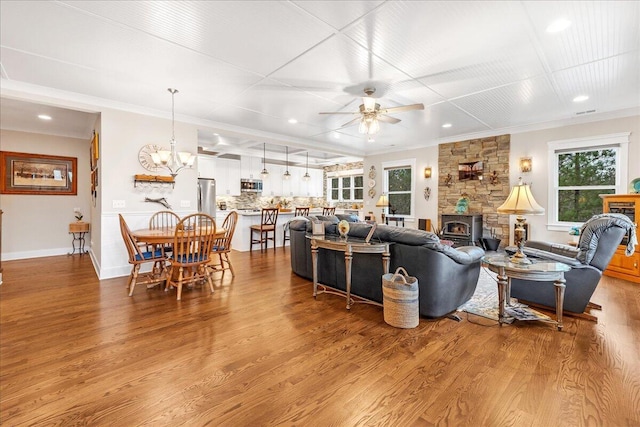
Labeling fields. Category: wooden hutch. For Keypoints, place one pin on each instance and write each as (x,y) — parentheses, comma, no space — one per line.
(621,266)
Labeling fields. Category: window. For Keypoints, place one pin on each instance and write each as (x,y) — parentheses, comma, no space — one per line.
(346,188)
(581,170)
(399,186)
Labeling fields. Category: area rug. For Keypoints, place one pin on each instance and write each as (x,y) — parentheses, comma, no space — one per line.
(484,301)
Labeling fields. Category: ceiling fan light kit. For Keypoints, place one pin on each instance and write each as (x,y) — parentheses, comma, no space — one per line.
(371,114)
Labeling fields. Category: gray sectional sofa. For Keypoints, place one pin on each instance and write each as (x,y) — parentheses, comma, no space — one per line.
(447,277)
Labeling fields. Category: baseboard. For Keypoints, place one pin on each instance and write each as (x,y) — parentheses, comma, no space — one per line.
(12,256)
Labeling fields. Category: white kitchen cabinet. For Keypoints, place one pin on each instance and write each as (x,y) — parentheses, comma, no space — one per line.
(227,177)
(206,167)
(272,185)
(250,167)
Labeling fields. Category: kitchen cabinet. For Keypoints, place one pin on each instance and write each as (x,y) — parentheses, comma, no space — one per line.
(250,167)
(227,177)
(206,167)
(621,266)
(272,185)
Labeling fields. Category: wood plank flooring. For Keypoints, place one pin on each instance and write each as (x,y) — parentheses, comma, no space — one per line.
(261,351)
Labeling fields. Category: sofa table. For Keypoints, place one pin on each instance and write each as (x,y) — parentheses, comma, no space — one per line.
(538,270)
(349,246)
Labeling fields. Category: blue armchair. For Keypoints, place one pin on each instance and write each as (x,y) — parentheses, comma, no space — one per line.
(600,237)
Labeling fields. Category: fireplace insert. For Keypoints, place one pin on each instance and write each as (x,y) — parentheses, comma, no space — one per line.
(463,230)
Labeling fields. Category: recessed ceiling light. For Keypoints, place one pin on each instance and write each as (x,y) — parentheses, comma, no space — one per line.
(216,134)
(336,135)
(559,25)
(446,125)
(293,121)
(44,117)
(580,98)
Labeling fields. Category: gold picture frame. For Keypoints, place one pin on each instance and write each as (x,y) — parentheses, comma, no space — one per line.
(25,173)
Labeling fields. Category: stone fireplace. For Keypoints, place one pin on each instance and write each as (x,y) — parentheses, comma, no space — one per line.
(485,195)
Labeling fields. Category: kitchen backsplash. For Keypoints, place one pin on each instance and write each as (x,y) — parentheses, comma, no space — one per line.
(253,201)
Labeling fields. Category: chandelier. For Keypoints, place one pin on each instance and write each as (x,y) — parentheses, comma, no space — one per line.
(171,159)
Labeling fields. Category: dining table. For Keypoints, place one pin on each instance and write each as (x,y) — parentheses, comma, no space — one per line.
(159,236)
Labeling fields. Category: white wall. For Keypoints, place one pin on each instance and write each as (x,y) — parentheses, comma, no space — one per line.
(123,134)
(425,157)
(38,225)
(534,144)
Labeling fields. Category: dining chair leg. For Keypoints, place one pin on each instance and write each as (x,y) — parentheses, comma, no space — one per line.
(233,273)
(180,276)
(134,272)
(209,279)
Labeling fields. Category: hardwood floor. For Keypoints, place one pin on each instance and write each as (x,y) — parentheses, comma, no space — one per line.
(261,351)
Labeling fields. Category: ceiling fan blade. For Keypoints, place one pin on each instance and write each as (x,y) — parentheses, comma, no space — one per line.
(387,119)
(351,122)
(402,108)
(355,112)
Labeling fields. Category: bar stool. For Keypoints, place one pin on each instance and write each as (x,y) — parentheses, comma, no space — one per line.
(299,212)
(328,211)
(268,220)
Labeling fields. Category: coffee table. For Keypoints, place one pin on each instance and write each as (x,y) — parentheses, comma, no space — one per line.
(538,270)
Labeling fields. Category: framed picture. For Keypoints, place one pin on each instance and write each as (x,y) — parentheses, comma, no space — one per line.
(94,151)
(24,173)
(471,170)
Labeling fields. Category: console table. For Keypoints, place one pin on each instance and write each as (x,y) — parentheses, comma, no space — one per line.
(349,246)
(539,271)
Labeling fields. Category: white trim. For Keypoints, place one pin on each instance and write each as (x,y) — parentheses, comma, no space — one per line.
(621,140)
(385,183)
(11,256)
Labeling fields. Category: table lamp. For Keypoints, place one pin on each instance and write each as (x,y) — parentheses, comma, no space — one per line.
(382,202)
(520,202)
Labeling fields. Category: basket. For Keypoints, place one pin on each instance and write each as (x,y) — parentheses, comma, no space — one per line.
(400,299)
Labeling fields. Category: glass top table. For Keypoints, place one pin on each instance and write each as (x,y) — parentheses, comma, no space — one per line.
(538,271)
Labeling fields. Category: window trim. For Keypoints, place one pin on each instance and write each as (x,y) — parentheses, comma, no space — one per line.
(343,174)
(385,182)
(620,141)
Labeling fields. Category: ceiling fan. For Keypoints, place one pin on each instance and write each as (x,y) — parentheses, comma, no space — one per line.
(371,113)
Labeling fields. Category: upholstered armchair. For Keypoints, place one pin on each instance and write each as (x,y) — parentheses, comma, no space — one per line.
(600,237)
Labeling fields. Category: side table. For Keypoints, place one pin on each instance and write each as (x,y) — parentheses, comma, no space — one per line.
(78,229)
(538,271)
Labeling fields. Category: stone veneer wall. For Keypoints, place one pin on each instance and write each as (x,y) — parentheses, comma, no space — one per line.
(484,197)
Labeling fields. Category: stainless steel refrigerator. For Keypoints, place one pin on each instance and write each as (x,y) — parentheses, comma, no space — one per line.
(207,196)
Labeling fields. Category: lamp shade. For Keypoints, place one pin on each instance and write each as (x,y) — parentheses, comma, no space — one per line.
(382,202)
(521,202)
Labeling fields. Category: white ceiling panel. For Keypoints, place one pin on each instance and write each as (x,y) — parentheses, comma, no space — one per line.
(23,116)
(232,31)
(612,84)
(245,68)
(598,30)
(529,101)
(338,14)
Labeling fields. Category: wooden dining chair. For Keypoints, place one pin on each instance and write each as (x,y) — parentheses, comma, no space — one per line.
(300,211)
(222,246)
(192,243)
(268,221)
(163,219)
(138,255)
(328,211)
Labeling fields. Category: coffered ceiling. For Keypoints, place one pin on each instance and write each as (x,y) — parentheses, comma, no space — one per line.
(245,68)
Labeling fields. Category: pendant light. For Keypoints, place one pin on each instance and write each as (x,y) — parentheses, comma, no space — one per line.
(286,174)
(306,175)
(265,172)
(171,159)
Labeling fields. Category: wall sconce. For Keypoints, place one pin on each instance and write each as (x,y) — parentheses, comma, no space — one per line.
(448,180)
(525,164)
(493,178)
(427,173)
